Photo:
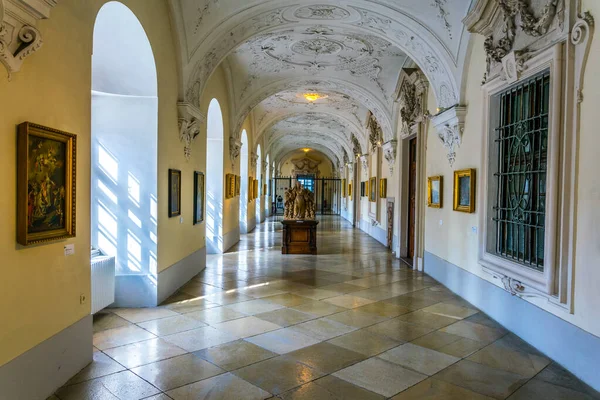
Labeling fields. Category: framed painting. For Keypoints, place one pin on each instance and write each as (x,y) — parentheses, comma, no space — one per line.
(373,189)
(238,185)
(435,191)
(265,189)
(198,197)
(343,188)
(362,189)
(383,188)
(250,188)
(464,190)
(174,193)
(350,190)
(366,188)
(229,186)
(255,189)
(46,177)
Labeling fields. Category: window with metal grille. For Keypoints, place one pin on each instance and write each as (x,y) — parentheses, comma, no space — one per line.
(521,146)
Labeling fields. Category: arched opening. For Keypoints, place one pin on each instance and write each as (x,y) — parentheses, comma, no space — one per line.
(124,153)
(259,189)
(214,179)
(244,184)
(266,182)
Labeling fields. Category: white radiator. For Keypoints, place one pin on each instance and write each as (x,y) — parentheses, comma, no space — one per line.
(103,282)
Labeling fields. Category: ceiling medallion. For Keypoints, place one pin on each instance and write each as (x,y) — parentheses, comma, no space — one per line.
(322,12)
(317,47)
(312,97)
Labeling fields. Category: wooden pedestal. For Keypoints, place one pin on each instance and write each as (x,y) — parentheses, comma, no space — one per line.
(299,237)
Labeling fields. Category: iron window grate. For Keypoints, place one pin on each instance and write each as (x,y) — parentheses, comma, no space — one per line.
(522,146)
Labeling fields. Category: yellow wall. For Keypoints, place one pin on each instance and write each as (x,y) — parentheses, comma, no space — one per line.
(39,292)
(455,240)
(324,167)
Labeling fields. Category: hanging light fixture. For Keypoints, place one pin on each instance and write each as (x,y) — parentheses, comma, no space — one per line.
(312,97)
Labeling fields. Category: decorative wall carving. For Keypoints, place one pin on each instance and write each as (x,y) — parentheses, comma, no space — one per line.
(365,163)
(443,15)
(450,125)
(19,37)
(189,121)
(305,165)
(375,133)
(389,152)
(322,12)
(235,146)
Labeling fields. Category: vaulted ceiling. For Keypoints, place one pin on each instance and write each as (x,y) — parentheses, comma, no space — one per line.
(349,52)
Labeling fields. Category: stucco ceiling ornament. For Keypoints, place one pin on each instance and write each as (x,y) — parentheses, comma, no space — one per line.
(375,133)
(365,163)
(203,12)
(356,146)
(235,146)
(19,37)
(450,125)
(322,12)
(189,121)
(389,152)
(443,15)
(305,164)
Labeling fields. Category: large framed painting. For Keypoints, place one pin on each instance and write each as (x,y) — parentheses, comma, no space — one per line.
(383,188)
(373,189)
(464,190)
(198,197)
(350,190)
(174,193)
(435,191)
(46,173)
(229,186)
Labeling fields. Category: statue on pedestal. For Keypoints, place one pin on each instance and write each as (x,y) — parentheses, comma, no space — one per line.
(299,204)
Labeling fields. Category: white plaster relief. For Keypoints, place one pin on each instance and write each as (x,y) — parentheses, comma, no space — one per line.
(450,125)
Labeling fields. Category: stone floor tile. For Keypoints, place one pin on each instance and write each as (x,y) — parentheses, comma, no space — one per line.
(436,340)
(420,359)
(258,292)
(374,293)
(140,353)
(234,355)
(432,389)
(472,331)
(380,376)
(316,294)
(201,338)
(177,371)
(427,320)
(119,386)
(224,298)
(323,328)
(330,388)
(342,288)
(253,307)
(462,347)
(557,375)
(286,299)
(538,389)
(171,325)
(326,357)
(318,308)
(399,330)
(104,320)
(216,315)
(500,357)
(450,310)
(191,305)
(285,317)
(482,379)
(483,319)
(120,336)
(278,375)
(160,396)
(101,365)
(365,342)
(222,387)
(357,319)
(136,315)
(384,309)
(513,342)
(410,302)
(348,301)
(283,341)
(246,327)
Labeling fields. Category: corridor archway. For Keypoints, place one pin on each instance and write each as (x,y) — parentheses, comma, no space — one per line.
(124,152)
(267,205)
(214,179)
(259,189)
(244,184)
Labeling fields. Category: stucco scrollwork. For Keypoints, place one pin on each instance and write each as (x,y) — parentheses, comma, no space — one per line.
(189,121)
(375,132)
(450,125)
(389,152)
(365,164)
(235,146)
(19,37)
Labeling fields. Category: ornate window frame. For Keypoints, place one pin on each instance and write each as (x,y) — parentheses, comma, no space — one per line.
(565,59)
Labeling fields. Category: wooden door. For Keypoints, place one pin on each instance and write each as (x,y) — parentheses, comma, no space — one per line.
(412,192)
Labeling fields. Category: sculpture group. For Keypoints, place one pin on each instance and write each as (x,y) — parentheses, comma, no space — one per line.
(299,203)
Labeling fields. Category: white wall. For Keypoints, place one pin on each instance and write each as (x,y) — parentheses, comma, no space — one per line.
(214,179)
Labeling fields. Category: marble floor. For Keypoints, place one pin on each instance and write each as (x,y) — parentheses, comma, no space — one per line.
(350,323)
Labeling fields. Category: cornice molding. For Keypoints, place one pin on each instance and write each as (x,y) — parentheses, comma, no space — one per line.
(450,125)
(190,118)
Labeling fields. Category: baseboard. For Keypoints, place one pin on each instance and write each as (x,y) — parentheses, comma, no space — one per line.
(178,274)
(231,238)
(572,347)
(38,372)
(135,291)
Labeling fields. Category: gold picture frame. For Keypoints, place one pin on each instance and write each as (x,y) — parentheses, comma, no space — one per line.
(367,189)
(343,188)
(229,186)
(435,191)
(383,188)
(255,189)
(46,182)
(464,190)
(373,189)
(238,185)
(174,193)
(350,190)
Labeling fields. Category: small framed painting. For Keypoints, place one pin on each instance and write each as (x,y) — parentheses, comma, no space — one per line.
(238,185)
(366,188)
(350,190)
(250,188)
(174,193)
(373,189)
(46,177)
(435,191)
(229,186)
(383,188)
(464,190)
(255,189)
(362,189)
(343,188)
(198,197)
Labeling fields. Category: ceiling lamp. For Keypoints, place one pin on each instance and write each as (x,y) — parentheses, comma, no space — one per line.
(314,96)
(306,150)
